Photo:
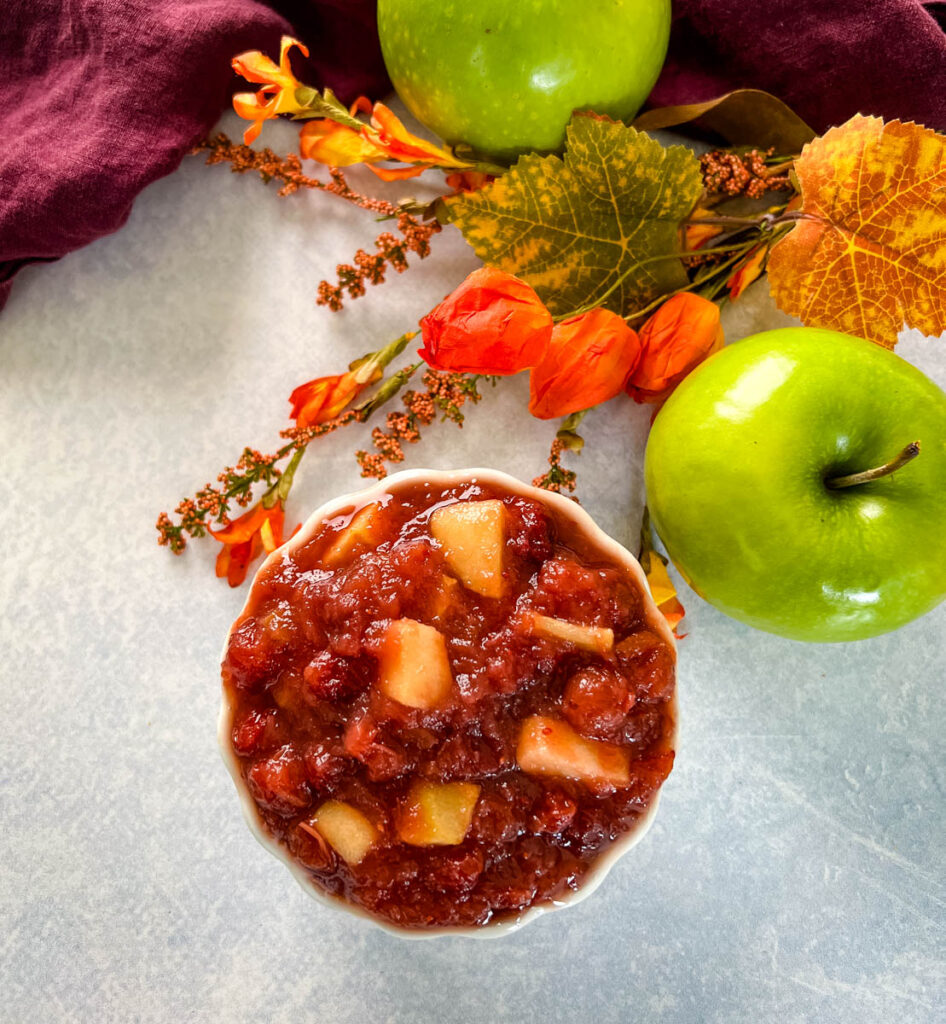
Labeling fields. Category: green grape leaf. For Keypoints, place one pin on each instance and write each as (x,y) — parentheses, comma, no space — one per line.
(598,226)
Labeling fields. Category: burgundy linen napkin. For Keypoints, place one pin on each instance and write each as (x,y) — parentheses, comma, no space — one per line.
(101,97)
(827,59)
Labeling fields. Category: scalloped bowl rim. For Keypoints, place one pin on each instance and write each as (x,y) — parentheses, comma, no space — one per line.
(444,479)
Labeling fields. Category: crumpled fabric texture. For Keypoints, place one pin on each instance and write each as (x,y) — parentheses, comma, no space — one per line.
(827,59)
(102,97)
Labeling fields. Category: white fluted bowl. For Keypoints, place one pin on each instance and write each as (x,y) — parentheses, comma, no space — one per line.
(444,479)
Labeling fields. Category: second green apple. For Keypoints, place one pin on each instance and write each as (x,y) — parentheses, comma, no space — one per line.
(749,481)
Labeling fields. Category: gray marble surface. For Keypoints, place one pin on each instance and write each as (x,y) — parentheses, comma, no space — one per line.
(796,869)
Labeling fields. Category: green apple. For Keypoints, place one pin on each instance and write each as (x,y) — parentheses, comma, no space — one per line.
(504,76)
(748,472)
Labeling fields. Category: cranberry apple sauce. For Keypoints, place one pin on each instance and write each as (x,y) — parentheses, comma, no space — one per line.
(449,702)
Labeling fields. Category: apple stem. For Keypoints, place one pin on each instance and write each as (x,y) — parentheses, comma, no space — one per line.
(865,476)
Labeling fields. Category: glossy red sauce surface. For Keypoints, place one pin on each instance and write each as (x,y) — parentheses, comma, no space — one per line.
(310,723)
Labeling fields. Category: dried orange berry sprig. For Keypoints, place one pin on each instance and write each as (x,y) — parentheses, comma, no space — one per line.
(444,391)
(733,173)
(724,253)
(557,478)
(367,268)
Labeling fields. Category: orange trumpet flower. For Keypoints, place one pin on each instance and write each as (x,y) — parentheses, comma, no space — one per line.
(278,95)
(244,539)
(384,138)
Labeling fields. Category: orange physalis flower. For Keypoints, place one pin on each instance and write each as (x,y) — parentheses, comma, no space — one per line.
(493,324)
(663,592)
(675,340)
(747,271)
(244,539)
(385,138)
(587,362)
(697,235)
(278,95)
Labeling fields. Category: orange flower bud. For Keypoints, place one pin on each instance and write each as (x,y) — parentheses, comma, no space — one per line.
(493,324)
(587,362)
(747,271)
(323,398)
(675,340)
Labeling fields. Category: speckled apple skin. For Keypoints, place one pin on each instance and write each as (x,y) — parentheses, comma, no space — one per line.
(735,471)
(504,76)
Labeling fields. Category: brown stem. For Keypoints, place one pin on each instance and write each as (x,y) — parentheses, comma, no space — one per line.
(766,220)
(865,476)
(775,170)
(741,221)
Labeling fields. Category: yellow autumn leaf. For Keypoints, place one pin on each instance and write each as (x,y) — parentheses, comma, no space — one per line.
(869,252)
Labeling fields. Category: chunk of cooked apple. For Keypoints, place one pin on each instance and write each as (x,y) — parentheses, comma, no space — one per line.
(597,639)
(472,536)
(444,597)
(364,531)
(437,813)
(413,665)
(549,746)
(345,829)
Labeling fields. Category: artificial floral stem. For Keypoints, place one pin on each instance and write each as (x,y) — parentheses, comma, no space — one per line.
(865,476)
(715,287)
(782,158)
(646,540)
(778,215)
(568,431)
(280,490)
(392,350)
(779,168)
(716,281)
(390,386)
(707,293)
(483,167)
(745,222)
